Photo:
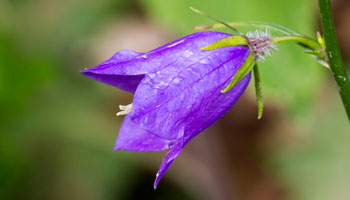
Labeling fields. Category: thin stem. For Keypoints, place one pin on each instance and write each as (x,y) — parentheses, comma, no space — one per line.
(219,21)
(261,25)
(310,43)
(335,60)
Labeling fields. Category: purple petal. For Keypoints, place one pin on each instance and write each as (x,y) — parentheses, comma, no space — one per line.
(127,83)
(130,63)
(173,153)
(133,138)
(194,124)
(177,91)
(120,64)
(111,71)
(186,94)
(212,107)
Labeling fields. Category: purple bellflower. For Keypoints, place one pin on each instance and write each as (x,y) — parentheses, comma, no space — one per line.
(177,91)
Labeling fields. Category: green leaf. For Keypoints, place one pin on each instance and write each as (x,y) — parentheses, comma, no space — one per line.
(258,90)
(241,73)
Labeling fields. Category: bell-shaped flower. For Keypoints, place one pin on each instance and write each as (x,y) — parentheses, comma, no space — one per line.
(177,91)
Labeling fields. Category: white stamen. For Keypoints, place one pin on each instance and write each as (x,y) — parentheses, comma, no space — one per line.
(124,109)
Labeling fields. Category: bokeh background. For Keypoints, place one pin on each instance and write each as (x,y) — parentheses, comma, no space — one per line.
(57,127)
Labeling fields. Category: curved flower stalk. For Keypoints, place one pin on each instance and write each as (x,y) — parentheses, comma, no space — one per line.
(177,91)
(324,49)
(261,44)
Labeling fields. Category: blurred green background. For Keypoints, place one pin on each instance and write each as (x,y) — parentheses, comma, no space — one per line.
(57,127)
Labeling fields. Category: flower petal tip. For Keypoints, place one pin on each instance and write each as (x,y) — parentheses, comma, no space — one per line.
(156,181)
(155,185)
(116,148)
(86,72)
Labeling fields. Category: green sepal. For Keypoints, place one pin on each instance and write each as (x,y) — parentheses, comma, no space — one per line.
(241,72)
(258,90)
(227,41)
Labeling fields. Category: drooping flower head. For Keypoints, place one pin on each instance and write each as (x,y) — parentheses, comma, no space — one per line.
(177,91)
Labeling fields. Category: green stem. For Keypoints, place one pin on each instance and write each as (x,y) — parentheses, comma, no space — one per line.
(335,60)
(311,43)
